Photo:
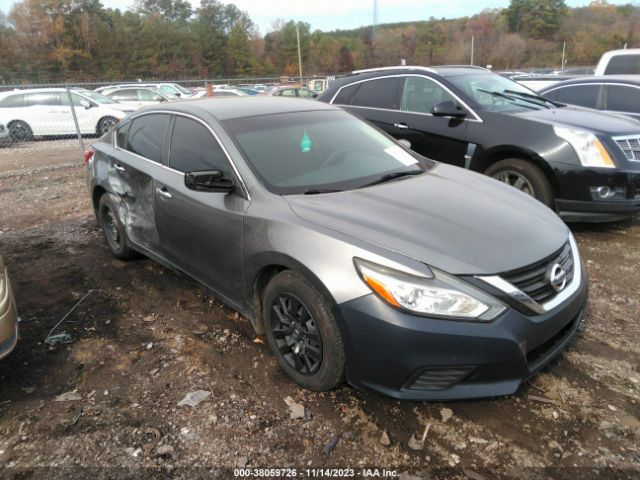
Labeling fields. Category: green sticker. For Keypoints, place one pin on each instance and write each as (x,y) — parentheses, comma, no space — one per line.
(305,143)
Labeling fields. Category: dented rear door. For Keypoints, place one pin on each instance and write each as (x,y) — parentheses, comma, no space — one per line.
(132,170)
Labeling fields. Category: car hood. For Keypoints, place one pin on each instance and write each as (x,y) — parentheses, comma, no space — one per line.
(586,119)
(454,220)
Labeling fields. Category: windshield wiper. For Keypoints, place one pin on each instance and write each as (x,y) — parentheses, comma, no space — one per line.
(393,176)
(316,191)
(510,97)
(532,96)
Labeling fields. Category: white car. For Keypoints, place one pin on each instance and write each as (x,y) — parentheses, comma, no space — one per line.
(137,96)
(46,111)
(171,89)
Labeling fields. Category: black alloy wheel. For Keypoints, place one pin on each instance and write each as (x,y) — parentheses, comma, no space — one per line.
(296,335)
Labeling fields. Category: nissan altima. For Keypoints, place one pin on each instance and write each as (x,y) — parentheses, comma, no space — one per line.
(357,257)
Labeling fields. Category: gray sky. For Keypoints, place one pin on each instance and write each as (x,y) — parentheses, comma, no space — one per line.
(344,14)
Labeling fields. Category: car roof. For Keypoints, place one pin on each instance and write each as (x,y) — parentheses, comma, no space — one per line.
(41,90)
(227,108)
(627,79)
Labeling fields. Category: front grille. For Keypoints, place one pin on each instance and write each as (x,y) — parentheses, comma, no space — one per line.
(439,378)
(533,279)
(630,146)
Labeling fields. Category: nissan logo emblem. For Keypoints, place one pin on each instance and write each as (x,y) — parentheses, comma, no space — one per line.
(557,277)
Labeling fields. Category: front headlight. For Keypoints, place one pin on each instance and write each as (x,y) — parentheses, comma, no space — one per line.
(440,295)
(589,149)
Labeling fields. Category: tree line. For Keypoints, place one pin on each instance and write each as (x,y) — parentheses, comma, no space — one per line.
(81,40)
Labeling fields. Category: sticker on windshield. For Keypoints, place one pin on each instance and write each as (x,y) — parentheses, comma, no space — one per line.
(399,154)
(305,143)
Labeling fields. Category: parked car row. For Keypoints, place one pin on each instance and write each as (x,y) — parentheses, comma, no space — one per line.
(356,246)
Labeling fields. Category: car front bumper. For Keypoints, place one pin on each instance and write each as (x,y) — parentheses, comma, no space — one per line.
(411,357)
(576,201)
(8,320)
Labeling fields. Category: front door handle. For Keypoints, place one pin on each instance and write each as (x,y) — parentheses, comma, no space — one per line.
(401,126)
(119,167)
(163,192)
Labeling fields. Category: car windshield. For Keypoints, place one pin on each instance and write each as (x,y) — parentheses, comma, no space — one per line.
(496,93)
(320,152)
(96,97)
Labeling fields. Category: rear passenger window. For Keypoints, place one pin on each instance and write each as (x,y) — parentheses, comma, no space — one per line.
(146,136)
(379,93)
(13,101)
(45,98)
(194,148)
(123,95)
(582,95)
(623,99)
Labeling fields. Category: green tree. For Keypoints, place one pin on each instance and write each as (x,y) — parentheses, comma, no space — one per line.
(535,18)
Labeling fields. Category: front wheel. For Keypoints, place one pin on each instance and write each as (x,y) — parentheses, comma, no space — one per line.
(302,332)
(105,124)
(525,176)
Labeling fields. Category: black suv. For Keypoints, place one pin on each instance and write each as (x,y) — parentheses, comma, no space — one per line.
(583,163)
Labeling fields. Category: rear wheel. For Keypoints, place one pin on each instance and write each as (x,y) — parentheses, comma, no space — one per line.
(19,131)
(302,332)
(113,228)
(105,124)
(525,176)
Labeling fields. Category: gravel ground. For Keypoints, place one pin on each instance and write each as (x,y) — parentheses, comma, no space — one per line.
(106,405)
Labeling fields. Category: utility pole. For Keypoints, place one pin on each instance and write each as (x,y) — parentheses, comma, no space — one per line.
(375,17)
(564,46)
(299,53)
(472,39)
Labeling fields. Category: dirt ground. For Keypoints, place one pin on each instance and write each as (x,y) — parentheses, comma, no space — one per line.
(145,337)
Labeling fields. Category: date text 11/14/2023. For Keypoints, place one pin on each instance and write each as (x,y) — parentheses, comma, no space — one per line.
(315,473)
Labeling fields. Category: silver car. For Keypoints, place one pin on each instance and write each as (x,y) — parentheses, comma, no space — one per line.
(359,259)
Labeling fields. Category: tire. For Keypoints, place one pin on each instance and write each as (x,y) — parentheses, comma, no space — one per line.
(113,229)
(310,333)
(525,176)
(19,131)
(105,124)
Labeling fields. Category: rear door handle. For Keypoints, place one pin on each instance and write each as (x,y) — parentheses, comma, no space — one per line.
(402,126)
(163,192)
(119,168)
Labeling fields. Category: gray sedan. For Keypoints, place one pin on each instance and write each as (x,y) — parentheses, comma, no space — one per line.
(357,258)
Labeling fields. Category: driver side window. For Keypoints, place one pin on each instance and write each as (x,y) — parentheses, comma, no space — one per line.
(419,94)
(148,96)
(194,148)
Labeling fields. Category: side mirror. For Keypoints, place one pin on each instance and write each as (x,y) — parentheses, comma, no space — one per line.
(86,104)
(209,181)
(405,143)
(448,109)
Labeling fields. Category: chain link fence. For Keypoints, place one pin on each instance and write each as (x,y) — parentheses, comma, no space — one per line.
(47,111)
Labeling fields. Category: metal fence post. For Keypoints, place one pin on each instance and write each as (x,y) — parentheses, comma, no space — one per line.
(75,119)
